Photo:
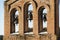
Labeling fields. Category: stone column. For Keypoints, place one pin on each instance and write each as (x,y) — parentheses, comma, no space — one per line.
(35,21)
(6,20)
(53,22)
(21,22)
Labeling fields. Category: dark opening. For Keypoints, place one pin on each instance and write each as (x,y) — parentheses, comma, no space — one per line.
(28,10)
(14,22)
(42,18)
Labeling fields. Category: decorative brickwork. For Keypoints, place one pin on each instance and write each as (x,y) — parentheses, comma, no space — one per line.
(10,19)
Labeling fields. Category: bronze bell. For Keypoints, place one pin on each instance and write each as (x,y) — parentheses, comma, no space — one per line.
(44,17)
(16,19)
(30,17)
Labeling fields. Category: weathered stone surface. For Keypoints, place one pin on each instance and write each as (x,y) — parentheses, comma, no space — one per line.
(10,7)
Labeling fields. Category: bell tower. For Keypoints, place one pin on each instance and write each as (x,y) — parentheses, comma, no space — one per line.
(43,15)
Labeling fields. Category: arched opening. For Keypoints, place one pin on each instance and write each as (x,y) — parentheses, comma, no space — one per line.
(42,20)
(14,25)
(28,11)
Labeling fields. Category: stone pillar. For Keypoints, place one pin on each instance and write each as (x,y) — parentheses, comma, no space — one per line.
(53,18)
(6,20)
(21,22)
(35,21)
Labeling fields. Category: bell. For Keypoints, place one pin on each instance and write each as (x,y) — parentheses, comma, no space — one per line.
(30,17)
(16,19)
(44,17)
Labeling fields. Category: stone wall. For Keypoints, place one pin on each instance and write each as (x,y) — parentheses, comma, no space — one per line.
(38,5)
(31,37)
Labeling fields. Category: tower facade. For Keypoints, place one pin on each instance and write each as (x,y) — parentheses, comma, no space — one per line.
(12,19)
